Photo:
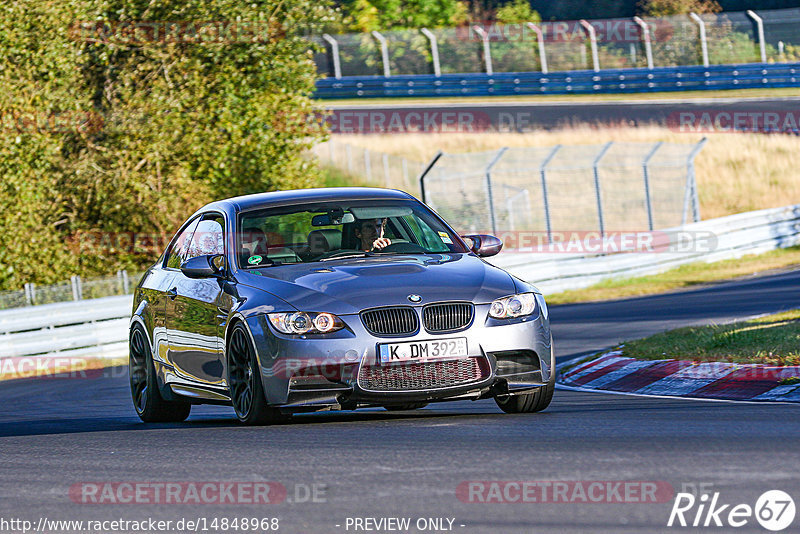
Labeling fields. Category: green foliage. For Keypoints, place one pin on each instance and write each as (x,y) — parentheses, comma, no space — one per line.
(517,11)
(172,124)
(665,8)
(368,15)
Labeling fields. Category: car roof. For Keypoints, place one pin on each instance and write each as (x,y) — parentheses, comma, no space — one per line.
(295,196)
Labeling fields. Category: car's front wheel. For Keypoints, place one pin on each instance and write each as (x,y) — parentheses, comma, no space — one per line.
(244,382)
(149,405)
(528,402)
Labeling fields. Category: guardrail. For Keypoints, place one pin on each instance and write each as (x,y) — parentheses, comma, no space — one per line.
(38,339)
(632,80)
(736,235)
(98,329)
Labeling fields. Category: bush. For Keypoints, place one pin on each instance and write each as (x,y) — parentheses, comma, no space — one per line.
(115,133)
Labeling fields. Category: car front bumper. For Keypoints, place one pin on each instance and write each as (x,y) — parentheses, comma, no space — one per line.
(341,370)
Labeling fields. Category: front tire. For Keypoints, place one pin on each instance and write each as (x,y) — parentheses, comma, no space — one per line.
(528,402)
(244,382)
(147,401)
(531,402)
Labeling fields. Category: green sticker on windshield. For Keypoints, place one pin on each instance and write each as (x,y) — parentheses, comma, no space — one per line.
(254,260)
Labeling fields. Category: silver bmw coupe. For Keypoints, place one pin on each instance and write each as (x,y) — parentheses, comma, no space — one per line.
(332,299)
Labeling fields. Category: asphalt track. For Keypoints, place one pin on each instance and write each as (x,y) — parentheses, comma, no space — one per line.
(59,432)
(522,117)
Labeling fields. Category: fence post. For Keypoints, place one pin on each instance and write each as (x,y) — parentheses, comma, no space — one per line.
(646,172)
(437,71)
(595,165)
(337,66)
(760,25)
(425,172)
(691,184)
(404,166)
(30,294)
(593,40)
(489,198)
(387,71)
(703,42)
(386,170)
(330,151)
(76,293)
(367,165)
(545,200)
(648,46)
(126,282)
(487,50)
(348,150)
(540,38)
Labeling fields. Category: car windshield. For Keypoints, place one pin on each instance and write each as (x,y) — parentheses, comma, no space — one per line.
(339,230)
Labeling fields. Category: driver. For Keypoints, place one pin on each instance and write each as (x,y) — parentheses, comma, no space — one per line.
(369,233)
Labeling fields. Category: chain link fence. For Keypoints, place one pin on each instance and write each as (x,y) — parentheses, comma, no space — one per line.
(605,188)
(730,38)
(375,168)
(75,289)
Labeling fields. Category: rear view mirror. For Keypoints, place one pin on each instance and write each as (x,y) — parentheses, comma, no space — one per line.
(484,245)
(325,219)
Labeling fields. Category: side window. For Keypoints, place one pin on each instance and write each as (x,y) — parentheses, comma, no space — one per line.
(208,238)
(177,252)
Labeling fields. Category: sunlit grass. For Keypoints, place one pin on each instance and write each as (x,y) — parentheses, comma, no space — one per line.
(682,277)
(772,340)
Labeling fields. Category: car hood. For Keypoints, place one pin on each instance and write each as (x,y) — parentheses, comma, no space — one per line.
(351,285)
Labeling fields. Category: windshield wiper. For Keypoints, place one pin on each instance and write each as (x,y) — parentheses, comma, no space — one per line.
(349,256)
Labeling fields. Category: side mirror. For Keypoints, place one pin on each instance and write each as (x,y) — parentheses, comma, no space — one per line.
(484,245)
(204,266)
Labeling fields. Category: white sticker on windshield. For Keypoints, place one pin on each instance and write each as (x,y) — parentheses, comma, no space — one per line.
(445,238)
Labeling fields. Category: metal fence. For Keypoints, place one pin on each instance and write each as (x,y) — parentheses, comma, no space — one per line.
(76,288)
(375,168)
(609,187)
(727,38)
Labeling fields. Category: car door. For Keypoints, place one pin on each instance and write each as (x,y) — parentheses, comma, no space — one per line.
(195,319)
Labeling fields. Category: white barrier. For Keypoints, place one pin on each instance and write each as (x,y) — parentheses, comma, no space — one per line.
(736,235)
(86,329)
(98,328)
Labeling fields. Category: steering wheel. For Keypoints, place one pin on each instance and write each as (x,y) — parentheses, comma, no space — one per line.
(411,248)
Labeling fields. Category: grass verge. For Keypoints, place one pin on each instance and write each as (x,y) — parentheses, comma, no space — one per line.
(685,276)
(771,340)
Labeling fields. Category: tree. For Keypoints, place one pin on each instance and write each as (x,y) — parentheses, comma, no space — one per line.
(665,8)
(214,109)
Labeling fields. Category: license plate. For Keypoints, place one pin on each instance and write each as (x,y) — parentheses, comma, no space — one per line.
(423,350)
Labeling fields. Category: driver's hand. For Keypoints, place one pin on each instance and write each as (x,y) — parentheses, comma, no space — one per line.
(381,242)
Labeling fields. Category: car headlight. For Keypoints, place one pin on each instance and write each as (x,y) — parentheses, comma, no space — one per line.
(512,306)
(305,323)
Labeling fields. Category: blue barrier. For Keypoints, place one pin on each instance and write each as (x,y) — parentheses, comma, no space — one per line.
(640,80)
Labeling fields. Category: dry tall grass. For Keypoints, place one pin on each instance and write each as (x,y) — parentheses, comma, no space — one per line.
(736,172)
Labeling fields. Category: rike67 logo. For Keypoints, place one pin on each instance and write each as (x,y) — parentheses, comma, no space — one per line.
(774,510)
